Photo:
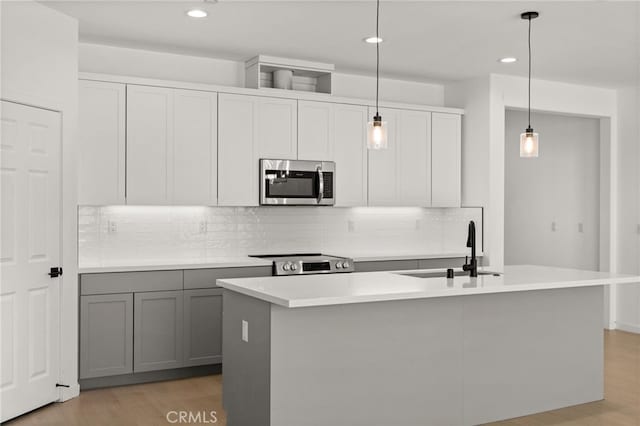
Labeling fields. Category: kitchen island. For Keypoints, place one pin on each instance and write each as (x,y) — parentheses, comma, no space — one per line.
(387,348)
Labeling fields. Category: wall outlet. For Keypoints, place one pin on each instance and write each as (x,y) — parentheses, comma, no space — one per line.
(554,227)
(580,227)
(112,227)
(351,226)
(203,227)
(245,331)
(418,224)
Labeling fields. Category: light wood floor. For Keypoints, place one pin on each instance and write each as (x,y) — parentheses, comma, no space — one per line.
(148,404)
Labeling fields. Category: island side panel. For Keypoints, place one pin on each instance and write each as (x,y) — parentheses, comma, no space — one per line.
(384,363)
(532,351)
(245,364)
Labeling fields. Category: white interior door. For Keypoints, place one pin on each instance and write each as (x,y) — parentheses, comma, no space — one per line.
(30,228)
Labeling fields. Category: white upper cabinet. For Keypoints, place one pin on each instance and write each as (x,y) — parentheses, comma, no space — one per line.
(400,175)
(337,132)
(446,160)
(147,145)
(149,130)
(414,158)
(251,128)
(102,143)
(315,130)
(171,146)
(350,154)
(383,164)
(195,153)
(276,125)
(237,151)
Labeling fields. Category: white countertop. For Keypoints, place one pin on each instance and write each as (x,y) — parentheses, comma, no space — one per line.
(136,265)
(335,289)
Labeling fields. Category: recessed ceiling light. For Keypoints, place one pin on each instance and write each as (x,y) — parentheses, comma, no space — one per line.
(197,13)
(373,40)
(508,60)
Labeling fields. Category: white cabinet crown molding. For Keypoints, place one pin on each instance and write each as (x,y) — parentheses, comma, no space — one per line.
(273,93)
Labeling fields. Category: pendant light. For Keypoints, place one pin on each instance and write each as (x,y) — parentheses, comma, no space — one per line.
(377,129)
(529,139)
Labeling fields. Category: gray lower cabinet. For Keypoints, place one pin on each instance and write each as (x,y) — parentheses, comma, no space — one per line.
(158,330)
(149,321)
(106,335)
(202,326)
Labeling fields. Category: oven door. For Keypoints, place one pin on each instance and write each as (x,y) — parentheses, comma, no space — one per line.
(295,182)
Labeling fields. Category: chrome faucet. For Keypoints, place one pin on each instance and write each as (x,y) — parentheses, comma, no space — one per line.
(471,242)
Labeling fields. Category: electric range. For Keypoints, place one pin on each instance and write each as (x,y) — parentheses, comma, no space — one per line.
(307,263)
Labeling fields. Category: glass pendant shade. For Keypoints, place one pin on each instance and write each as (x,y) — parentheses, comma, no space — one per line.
(529,144)
(377,133)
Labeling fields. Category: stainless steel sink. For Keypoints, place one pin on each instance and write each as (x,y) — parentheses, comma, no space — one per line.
(443,274)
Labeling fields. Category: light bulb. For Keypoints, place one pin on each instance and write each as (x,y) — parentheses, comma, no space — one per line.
(377,135)
(373,40)
(197,13)
(529,144)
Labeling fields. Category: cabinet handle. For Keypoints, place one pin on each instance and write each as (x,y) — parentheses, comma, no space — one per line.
(320,185)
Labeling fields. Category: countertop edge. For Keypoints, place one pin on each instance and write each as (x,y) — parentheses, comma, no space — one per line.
(171,267)
(383,258)
(249,262)
(343,300)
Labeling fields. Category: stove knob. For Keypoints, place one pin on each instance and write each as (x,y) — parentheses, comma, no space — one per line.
(345,264)
(294,266)
(286,266)
(338,265)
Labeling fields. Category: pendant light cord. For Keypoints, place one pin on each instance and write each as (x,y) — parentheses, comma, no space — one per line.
(529,72)
(377,53)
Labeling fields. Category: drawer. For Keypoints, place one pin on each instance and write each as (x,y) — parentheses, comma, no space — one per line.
(206,278)
(130,282)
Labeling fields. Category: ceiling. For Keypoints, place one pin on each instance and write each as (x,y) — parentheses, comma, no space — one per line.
(588,42)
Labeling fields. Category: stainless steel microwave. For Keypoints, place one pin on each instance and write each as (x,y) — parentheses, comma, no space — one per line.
(297,182)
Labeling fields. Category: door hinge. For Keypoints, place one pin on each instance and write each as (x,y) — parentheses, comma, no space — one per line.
(55,272)
(60,385)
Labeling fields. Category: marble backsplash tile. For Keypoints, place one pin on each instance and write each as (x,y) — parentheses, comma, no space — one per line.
(112,233)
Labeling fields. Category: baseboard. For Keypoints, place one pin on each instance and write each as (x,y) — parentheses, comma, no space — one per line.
(631,328)
(149,376)
(68,393)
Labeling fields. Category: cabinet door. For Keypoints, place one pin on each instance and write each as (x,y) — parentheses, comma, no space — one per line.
(157,330)
(149,127)
(276,128)
(101,162)
(414,158)
(237,154)
(106,335)
(202,326)
(383,172)
(446,160)
(350,154)
(194,149)
(315,130)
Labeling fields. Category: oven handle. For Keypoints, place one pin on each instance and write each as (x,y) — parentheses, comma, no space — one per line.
(320,184)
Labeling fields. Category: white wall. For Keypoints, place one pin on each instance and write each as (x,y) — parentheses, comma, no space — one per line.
(40,68)
(488,136)
(103,59)
(628,296)
(560,187)
(124,235)
(473,95)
